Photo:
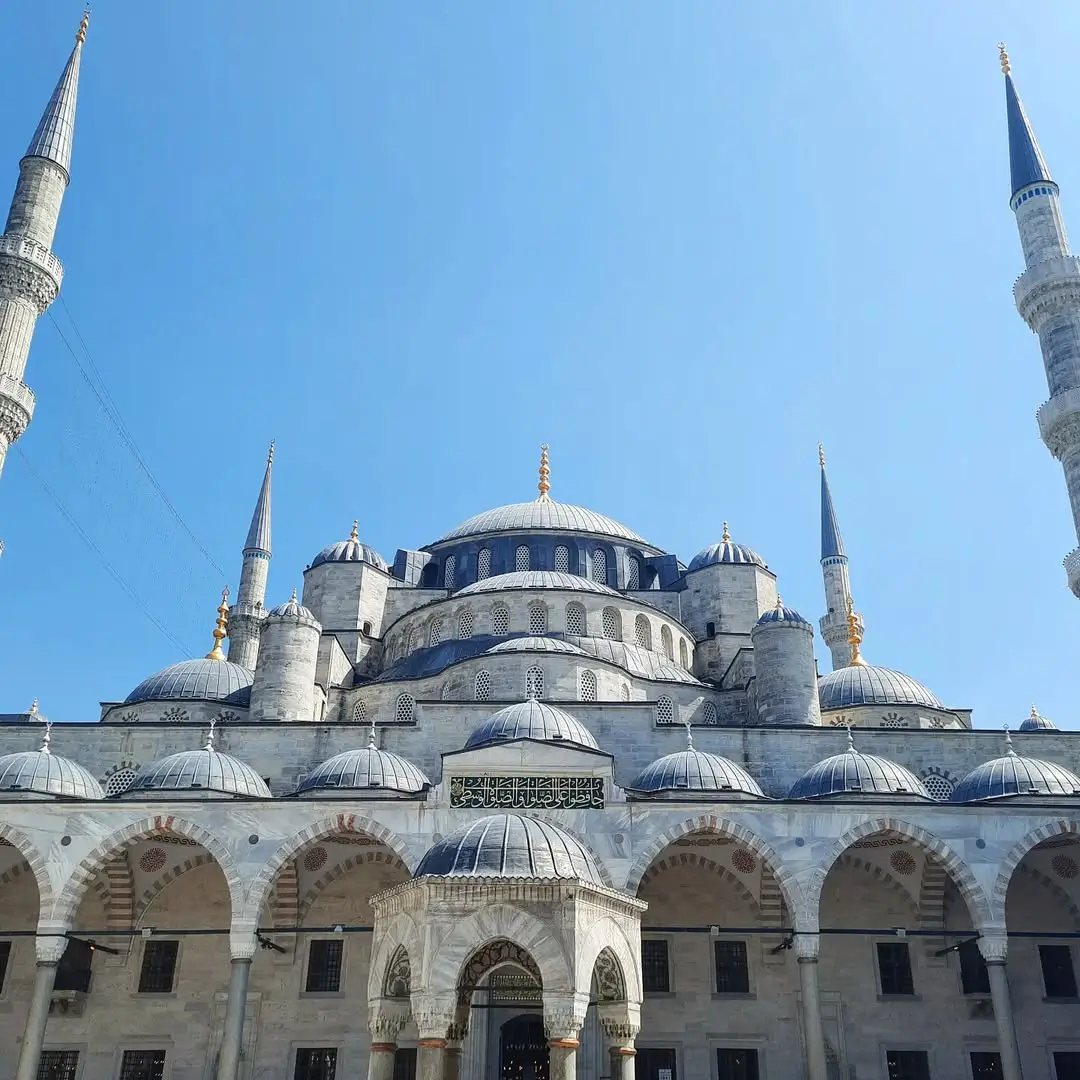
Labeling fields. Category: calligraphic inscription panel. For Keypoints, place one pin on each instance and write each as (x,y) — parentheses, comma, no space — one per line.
(527,792)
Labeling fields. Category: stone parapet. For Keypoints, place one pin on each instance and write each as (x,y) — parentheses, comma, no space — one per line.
(1059,422)
(1048,286)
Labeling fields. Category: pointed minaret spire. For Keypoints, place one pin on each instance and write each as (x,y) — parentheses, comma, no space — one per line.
(1026,162)
(831,543)
(56,128)
(246,616)
(834,570)
(258,537)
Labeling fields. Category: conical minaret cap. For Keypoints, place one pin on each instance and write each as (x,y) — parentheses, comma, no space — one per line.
(1026,162)
(258,537)
(832,545)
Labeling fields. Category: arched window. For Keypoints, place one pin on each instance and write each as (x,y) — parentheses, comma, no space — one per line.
(366,629)
(665,710)
(500,619)
(708,714)
(599,567)
(449,571)
(612,624)
(633,573)
(562,559)
(406,709)
(643,632)
(359,712)
(521,558)
(666,643)
(414,640)
(710,630)
(575,619)
(435,632)
(534,683)
(683,657)
(588,686)
(483,686)
(625,693)
(483,564)
(466,623)
(537,617)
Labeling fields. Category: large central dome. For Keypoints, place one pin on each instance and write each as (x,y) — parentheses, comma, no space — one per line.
(541,514)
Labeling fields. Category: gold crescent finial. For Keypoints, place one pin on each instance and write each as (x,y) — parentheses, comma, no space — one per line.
(355,534)
(821,455)
(545,475)
(1003,56)
(726,537)
(220,633)
(80,37)
(855,636)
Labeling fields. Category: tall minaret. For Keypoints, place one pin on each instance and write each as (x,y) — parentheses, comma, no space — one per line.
(30,273)
(834,624)
(1048,298)
(246,615)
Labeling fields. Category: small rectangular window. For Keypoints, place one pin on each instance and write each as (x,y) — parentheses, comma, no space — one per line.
(655,1063)
(158,967)
(907,1064)
(894,967)
(73,971)
(974,978)
(5,959)
(986,1065)
(1067,1065)
(315,1063)
(142,1065)
(324,967)
(738,1064)
(405,1064)
(732,972)
(1058,974)
(58,1065)
(655,973)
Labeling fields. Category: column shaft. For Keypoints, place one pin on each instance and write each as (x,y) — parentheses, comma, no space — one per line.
(623,1063)
(563,1060)
(235,1008)
(813,1036)
(452,1057)
(381,1061)
(429,1059)
(34,1032)
(1003,1017)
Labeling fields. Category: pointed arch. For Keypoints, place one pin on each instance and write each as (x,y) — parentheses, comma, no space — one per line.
(362,858)
(1055,890)
(35,862)
(608,936)
(150,893)
(1046,831)
(879,873)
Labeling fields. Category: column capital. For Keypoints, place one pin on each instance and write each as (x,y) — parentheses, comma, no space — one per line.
(242,944)
(386,1018)
(564,1013)
(620,1020)
(49,945)
(433,1013)
(994,945)
(807,946)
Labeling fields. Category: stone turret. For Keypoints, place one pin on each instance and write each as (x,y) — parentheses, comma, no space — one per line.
(246,616)
(834,571)
(284,686)
(30,274)
(1047,296)
(785,682)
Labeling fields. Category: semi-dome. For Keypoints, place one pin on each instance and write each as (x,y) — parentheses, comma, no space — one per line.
(693,770)
(45,773)
(200,770)
(196,680)
(351,550)
(534,643)
(532,720)
(1036,722)
(865,684)
(781,614)
(1015,775)
(852,773)
(510,846)
(366,769)
(541,515)
(535,579)
(726,551)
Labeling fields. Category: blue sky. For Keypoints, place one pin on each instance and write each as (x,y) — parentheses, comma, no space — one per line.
(681,243)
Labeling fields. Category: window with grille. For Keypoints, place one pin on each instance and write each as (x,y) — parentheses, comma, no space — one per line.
(405,1063)
(562,559)
(1067,1065)
(315,1063)
(588,686)
(642,632)
(537,618)
(611,624)
(575,619)
(974,978)
(986,1065)
(483,686)
(58,1065)
(894,967)
(406,708)
(500,619)
(655,1063)
(73,971)
(5,959)
(466,623)
(534,683)
(665,710)
(655,972)
(158,971)
(1057,968)
(414,640)
(142,1065)
(599,567)
(708,714)
(736,1063)
(907,1064)
(483,564)
(435,632)
(666,643)
(119,781)
(683,658)
(359,712)
(324,967)
(633,574)
(449,571)
(939,787)
(732,972)
(521,558)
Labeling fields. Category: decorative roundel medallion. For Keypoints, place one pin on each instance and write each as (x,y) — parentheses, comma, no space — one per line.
(1065,866)
(743,861)
(903,862)
(152,860)
(315,859)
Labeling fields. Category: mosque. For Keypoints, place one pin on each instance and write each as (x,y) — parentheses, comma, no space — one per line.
(537,801)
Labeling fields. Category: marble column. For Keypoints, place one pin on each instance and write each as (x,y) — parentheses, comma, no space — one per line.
(49,948)
(241,949)
(564,1013)
(430,1054)
(386,1018)
(434,1015)
(994,947)
(454,1051)
(621,1029)
(807,946)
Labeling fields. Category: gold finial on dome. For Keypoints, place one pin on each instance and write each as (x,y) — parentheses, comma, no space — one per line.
(80,37)
(220,633)
(545,475)
(725,537)
(1003,56)
(855,636)
(354,536)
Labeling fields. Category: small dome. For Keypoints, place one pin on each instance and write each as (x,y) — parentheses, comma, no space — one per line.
(367,769)
(541,515)
(726,551)
(1015,775)
(45,773)
(536,579)
(537,644)
(852,773)
(351,550)
(531,720)
(292,609)
(200,770)
(510,846)
(781,614)
(196,680)
(1035,722)
(692,770)
(864,684)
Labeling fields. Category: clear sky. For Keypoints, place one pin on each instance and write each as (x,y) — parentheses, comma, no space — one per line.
(679,242)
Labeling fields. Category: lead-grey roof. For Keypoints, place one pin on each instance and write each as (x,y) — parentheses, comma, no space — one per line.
(510,846)
(536,579)
(46,773)
(1015,775)
(852,773)
(541,515)
(258,537)
(532,720)
(196,680)
(695,770)
(638,661)
(365,769)
(56,129)
(1036,722)
(200,770)
(351,551)
(534,643)
(864,684)
(726,551)
(292,609)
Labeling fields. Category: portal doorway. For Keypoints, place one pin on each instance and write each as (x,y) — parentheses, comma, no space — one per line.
(523,1049)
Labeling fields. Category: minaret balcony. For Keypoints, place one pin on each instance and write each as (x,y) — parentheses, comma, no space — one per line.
(22,247)
(1072,570)
(1059,422)
(1047,286)
(17,393)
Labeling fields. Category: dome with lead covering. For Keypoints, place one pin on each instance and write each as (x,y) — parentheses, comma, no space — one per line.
(536,579)
(781,614)
(531,720)
(696,772)
(542,515)
(196,680)
(351,550)
(292,609)
(865,684)
(1036,722)
(204,770)
(42,772)
(510,846)
(366,769)
(533,643)
(852,773)
(1013,775)
(726,551)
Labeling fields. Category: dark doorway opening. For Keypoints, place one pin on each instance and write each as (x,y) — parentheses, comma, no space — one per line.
(523,1049)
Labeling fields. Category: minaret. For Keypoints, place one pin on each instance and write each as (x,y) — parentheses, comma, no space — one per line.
(834,569)
(30,274)
(1048,298)
(246,615)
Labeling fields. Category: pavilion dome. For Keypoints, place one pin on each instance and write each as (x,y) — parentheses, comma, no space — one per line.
(695,771)
(852,773)
(1015,775)
(532,720)
(45,773)
(365,769)
(206,770)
